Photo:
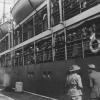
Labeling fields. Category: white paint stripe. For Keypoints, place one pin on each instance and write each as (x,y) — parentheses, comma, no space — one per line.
(9,98)
(40,95)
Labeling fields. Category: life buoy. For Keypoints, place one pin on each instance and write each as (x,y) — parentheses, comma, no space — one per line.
(91,44)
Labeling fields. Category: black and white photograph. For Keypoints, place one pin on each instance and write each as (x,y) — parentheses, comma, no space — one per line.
(49,49)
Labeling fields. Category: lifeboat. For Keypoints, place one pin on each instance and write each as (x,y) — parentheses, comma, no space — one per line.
(23,8)
(4,29)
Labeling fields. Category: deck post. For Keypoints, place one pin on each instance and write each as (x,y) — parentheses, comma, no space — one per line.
(61,11)
(49,13)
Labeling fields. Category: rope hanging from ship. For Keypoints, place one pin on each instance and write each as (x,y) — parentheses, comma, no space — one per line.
(94,44)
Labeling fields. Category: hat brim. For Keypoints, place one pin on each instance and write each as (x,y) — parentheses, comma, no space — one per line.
(91,67)
(74,70)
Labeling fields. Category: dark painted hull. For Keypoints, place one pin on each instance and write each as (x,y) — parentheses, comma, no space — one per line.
(54,86)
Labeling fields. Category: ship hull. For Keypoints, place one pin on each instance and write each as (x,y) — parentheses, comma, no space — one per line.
(54,86)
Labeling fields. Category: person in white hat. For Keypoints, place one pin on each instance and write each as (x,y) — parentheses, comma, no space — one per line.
(94,77)
(74,83)
(91,66)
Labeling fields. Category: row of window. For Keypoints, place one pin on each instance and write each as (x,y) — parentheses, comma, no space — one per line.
(63,44)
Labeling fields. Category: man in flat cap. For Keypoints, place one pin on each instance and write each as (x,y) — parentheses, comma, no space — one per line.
(94,77)
(74,83)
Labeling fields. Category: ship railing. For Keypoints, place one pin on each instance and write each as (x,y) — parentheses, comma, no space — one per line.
(74,7)
(60,53)
(74,50)
(41,21)
(44,56)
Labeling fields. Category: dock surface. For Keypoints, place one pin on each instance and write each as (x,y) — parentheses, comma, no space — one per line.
(4,95)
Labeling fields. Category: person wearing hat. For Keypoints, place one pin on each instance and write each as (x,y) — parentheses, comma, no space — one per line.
(94,78)
(74,84)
